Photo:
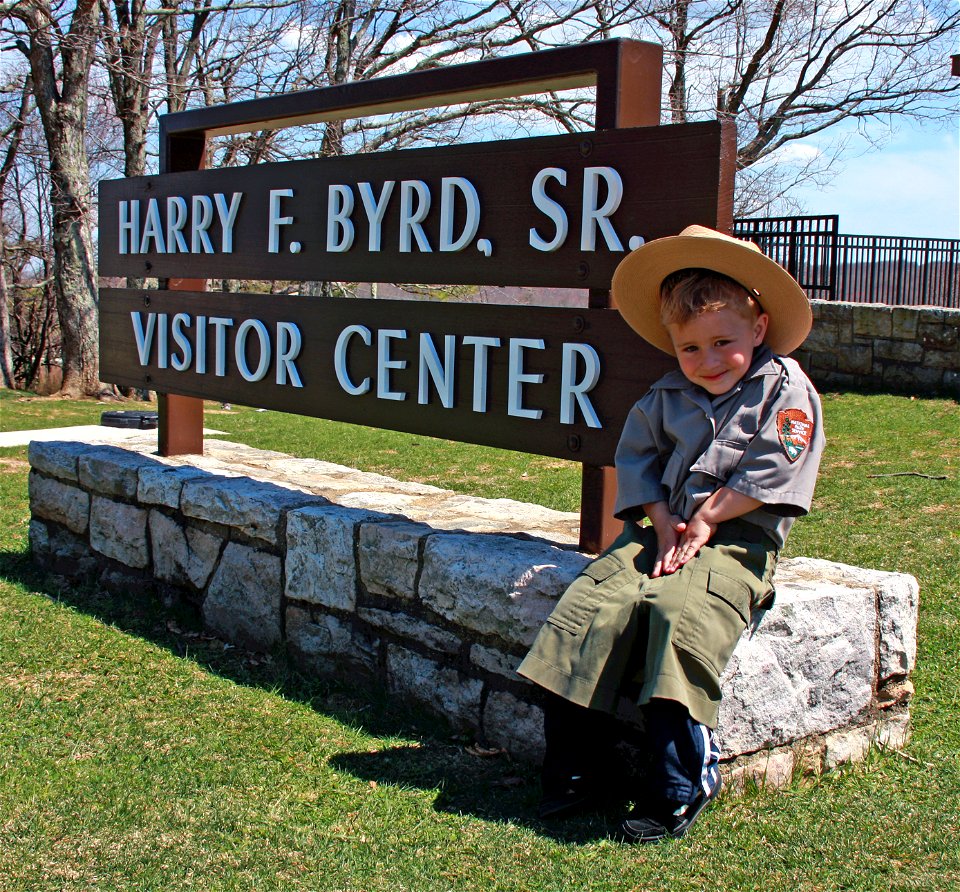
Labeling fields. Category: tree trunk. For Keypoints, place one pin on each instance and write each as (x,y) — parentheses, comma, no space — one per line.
(62,103)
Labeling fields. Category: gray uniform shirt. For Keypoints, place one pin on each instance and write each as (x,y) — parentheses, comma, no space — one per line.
(762,438)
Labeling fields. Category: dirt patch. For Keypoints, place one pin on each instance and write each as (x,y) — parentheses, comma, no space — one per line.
(14,464)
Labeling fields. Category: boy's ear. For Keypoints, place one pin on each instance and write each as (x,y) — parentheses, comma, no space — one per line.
(760,329)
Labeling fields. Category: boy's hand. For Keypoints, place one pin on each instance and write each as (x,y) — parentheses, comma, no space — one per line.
(724,504)
(696,534)
(669,528)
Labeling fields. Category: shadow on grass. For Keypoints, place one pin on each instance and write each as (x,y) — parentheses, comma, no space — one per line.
(491,787)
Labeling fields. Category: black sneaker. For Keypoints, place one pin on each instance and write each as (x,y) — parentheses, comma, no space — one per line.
(642,827)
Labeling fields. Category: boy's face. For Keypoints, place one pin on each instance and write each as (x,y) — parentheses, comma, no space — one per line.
(715,349)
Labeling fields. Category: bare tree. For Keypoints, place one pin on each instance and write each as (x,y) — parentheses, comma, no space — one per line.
(58,42)
(789,70)
(11,137)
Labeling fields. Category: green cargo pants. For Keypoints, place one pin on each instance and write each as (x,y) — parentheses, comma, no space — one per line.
(616,633)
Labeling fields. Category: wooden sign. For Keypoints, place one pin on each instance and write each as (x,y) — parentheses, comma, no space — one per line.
(550,211)
(550,381)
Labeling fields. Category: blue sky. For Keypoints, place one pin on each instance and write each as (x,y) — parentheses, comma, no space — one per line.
(910,186)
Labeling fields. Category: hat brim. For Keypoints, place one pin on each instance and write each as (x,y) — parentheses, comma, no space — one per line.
(637,280)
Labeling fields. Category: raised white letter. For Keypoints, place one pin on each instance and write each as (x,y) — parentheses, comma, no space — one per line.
(385,363)
(228,216)
(480,359)
(571,390)
(240,349)
(448,197)
(288,349)
(201,367)
(183,342)
(517,377)
(430,367)
(594,216)
(220,325)
(339,224)
(144,337)
(375,208)
(176,220)
(129,226)
(553,210)
(411,217)
(202,218)
(276,221)
(340,359)
(152,229)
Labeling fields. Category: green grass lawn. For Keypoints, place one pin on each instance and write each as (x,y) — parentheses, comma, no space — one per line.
(136,754)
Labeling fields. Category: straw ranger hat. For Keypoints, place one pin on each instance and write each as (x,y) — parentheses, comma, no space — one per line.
(637,280)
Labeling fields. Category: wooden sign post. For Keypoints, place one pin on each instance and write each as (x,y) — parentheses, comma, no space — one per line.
(550,211)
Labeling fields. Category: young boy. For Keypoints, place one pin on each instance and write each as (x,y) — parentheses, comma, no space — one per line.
(719,456)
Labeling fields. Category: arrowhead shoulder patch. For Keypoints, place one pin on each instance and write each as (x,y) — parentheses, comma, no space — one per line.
(795,430)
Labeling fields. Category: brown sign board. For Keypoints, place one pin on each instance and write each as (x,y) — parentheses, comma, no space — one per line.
(550,381)
(550,211)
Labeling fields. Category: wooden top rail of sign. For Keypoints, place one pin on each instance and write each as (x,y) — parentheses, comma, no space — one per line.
(627,78)
(626,74)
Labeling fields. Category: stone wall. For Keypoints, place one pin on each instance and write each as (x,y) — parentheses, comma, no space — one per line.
(913,350)
(437,595)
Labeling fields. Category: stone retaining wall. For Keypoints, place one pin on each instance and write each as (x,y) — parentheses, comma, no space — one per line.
(913,350)
(438,595)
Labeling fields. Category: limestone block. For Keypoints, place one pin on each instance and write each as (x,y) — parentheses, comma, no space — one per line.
(513,725)
(441,689)
(770,769)
(905,322)
(847,745)
(161,484)
(898,601)
(112,472)
(893,731)
(496,661)
(57,458)
(242,603)
(182,555)
(404,504)
(59,551)
(321,568)
(251,506)
(389,558)
(938,336)
(942,359)
(912,379)
(901,351)
(409,627)
(496,585)
(872,321)
(119,531)
(823,336)
(807,669)
(59,502)
(856,359)
(509,515)
(328,644)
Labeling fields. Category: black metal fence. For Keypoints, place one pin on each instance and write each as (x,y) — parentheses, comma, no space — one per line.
(831,265)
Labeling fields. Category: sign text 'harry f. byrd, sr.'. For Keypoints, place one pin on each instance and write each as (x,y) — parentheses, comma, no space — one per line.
(554,211)
(550,381)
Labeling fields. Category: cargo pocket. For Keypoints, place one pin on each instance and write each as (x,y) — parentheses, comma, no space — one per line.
(580,601)
(714,618)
